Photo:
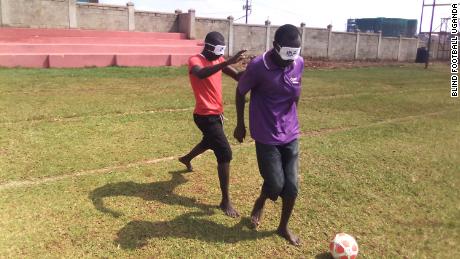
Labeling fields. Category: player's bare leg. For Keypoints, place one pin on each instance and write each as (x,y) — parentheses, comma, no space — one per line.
(283,230)
(224,179)
(186,160)
(257,210)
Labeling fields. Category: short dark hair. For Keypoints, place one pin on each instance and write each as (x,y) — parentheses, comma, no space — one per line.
(287,32)
(214,37)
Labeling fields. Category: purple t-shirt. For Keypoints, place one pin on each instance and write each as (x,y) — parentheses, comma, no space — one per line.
(274,91)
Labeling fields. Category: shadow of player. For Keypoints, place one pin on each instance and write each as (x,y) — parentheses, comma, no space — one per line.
(157,191)
(325,255)
(137,233)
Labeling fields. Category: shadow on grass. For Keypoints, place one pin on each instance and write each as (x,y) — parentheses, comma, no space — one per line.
(156,191)
(188,226)
(325,255)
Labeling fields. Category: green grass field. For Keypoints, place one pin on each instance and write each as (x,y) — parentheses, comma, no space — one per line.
(88,167)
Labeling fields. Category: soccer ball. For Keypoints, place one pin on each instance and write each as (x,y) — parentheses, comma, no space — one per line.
(343,246)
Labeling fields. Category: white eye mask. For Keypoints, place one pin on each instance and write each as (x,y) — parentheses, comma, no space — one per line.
(287,53)
(219,50)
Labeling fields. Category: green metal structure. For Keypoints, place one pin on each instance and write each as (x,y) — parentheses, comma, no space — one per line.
(390,27)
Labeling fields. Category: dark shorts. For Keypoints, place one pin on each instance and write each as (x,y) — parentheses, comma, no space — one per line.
(214,136)
(278,166)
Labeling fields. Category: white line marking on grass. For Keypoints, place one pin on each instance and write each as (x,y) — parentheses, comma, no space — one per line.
(77,117)
(18,184)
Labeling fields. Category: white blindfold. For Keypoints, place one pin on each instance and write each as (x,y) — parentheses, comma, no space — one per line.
(288,53)
(218,50)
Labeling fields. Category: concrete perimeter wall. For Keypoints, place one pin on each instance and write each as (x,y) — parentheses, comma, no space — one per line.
(343,46)
(368,46)
(102,17)
(44,13)
(250,37)
(156,22)
(205,25)
(317,43)
(390,48)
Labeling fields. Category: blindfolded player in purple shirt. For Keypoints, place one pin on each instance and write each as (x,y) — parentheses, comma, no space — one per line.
(274,80)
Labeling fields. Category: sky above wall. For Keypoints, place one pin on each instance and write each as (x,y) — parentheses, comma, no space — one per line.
(313,13)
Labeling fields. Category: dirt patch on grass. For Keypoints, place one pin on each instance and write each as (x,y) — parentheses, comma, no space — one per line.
(3,151)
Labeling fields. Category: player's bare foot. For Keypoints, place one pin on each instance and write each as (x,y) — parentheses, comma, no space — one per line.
(289,236)
(256,217)
(257,211)
(186,163)
(228,209)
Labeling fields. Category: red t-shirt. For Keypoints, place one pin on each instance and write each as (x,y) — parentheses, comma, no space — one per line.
(207,91)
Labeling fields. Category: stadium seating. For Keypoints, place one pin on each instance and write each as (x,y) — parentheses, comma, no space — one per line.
(61,48)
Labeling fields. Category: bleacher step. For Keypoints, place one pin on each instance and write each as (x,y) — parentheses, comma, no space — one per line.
(72,60)
(64,48)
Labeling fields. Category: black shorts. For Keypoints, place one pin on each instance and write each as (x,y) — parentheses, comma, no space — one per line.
(278,166)
(214,136)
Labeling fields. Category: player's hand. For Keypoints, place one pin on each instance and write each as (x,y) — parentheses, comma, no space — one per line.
(237,58)
(240,133)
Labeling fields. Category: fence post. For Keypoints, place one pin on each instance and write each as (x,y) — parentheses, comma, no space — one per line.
(399,47)
(302,40)
(4,15)
(1,13)
(267,35)
(178,13)
(417,45)
(191,25)
(357,44)
(230,35)
(379,46)
(131,17)
(73,14)
(329,41)
(187,23)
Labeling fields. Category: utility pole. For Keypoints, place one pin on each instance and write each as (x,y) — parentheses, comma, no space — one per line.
(421,18)
(434,5)
(429,38)
(248,8)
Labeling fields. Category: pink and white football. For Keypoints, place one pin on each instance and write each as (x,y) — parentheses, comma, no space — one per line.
(343,246)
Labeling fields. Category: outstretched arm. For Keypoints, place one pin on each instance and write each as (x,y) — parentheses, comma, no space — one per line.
(204,72)
(233,73)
